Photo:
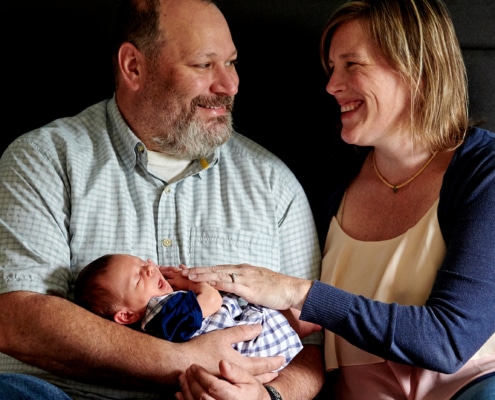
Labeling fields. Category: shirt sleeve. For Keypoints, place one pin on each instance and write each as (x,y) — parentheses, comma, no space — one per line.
(34,244)
(178,319)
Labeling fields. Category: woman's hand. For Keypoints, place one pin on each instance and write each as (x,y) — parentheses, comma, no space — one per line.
(255,284)
(234,383)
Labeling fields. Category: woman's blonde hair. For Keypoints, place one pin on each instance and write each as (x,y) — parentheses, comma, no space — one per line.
(418,39)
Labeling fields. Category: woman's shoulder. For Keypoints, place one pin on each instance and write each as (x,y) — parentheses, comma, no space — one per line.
(472,168)
(478,141)
(477,150)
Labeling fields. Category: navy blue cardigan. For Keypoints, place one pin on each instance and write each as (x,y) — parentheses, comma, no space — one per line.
(459,315)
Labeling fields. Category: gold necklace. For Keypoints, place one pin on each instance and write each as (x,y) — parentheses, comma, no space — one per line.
(395,188)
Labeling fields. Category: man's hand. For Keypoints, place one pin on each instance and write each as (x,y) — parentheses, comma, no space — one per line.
(212,347)
(234,383)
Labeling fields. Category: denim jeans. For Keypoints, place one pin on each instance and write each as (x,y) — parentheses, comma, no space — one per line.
(482,388)
(26,387)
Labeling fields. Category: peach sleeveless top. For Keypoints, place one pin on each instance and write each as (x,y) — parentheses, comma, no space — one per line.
(399,270)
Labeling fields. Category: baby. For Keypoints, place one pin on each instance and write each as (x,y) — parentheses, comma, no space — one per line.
(131,291)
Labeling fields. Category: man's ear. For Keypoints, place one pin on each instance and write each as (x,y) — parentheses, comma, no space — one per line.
(132,65)
(125,317)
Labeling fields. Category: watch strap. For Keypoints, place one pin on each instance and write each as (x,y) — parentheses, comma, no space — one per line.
(274,394)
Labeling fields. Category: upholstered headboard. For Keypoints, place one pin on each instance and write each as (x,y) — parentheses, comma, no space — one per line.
(56,62)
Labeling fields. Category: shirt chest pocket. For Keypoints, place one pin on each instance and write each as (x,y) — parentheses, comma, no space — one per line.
(211,246)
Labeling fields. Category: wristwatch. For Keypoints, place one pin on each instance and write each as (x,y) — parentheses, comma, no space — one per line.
(274,394)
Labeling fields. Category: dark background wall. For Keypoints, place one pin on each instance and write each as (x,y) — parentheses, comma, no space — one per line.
(55,62)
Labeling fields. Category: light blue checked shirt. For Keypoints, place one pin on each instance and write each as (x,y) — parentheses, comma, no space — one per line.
(79,188)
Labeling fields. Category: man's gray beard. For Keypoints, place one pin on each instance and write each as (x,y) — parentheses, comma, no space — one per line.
(191,139)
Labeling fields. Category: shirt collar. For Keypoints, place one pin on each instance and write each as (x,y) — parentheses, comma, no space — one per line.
(133,152)
(126,143)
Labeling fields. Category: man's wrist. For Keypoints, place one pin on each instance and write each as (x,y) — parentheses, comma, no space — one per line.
(274,394)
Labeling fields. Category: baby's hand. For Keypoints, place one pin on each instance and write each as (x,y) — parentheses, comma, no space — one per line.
(175,278)
(169,269)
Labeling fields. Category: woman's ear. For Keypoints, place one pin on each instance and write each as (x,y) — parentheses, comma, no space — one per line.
(126,317)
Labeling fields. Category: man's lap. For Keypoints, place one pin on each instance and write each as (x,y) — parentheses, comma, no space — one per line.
(26,387)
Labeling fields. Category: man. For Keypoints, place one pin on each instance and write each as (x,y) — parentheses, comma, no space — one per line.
(155,171)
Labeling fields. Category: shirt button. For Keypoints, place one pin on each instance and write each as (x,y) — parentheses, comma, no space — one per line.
(140,148)
(167,189)
(167,242)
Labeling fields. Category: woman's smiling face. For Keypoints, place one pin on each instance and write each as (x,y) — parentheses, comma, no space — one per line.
(374,100)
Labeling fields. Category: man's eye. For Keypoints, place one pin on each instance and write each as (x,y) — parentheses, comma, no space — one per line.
(204,66)
(232,63)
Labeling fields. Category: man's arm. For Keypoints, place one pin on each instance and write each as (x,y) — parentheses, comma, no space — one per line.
(58,336)
(303,378)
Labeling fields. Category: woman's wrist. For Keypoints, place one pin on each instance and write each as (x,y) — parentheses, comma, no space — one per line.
(301,291)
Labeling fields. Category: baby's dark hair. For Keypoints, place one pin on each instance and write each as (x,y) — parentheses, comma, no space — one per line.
(90,294)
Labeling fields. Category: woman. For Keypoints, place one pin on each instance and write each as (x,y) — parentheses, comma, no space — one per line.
(407,288)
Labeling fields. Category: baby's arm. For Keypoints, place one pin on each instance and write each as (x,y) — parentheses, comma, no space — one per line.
(209,298)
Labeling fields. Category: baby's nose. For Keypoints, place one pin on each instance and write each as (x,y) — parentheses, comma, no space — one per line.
(149,270)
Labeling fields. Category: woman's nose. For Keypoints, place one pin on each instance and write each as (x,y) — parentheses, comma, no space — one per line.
(335,83)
